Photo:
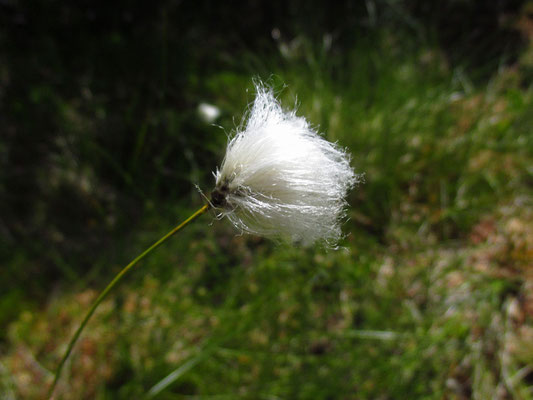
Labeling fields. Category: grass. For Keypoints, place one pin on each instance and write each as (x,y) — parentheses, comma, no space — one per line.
(429,298)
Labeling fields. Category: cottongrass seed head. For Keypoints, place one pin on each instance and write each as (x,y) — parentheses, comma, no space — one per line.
(281,179)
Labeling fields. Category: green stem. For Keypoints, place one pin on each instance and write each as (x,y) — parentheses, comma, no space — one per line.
(112,284)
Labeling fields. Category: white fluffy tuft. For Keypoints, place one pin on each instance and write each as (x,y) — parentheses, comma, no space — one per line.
(279,178)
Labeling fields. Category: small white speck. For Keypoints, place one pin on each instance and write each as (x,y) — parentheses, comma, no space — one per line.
(208,112)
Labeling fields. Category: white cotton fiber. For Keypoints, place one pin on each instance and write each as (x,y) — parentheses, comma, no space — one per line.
(280,178)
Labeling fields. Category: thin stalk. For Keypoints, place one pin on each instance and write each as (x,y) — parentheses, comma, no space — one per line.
(112,284)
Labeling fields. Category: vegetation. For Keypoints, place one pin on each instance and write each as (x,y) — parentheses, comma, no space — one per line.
(430,295)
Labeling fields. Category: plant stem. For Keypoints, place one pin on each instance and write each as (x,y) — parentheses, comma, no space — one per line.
(112,284)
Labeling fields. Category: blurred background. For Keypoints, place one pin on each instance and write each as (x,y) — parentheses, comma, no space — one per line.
(111,112)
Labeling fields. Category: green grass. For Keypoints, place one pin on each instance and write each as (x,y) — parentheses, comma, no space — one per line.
(429,298)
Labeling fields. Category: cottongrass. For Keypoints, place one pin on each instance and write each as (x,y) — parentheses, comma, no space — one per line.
(281,179)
